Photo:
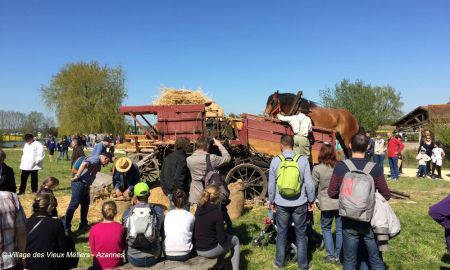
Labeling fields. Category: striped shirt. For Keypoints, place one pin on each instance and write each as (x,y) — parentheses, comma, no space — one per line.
(12,218)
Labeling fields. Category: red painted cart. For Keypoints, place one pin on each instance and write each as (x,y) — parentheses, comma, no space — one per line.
(251,140)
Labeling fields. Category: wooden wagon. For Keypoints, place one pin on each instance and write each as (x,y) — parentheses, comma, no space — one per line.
(251,140)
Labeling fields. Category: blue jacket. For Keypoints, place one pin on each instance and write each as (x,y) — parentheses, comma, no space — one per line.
(98,149)
(307,193)
(51,145)
(123,181)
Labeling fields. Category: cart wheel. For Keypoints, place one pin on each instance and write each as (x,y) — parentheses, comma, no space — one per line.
(148,166)
(253,178)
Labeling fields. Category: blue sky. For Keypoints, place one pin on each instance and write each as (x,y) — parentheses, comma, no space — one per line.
(239,52)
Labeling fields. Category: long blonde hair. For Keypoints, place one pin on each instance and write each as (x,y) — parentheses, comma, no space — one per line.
(44,202)
(211,194)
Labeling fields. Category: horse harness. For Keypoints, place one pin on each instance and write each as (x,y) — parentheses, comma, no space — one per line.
(297,101)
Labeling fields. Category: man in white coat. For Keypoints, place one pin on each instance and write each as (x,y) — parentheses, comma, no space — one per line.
(31,163)
(301,126)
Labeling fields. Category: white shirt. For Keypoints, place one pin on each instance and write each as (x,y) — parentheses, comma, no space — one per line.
(178,227)
(32,156)
(423,158)
(379,147)
(437,156)
(300,123)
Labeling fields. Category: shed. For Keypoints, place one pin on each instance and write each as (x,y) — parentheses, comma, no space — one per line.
(424,117)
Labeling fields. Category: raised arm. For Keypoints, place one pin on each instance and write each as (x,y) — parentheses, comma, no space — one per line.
(217,161)
(284,118)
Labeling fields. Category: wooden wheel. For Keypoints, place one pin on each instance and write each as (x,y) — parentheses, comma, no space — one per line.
(253,177)
(148,166)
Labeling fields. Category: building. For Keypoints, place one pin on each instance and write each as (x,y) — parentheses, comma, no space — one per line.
(423,117)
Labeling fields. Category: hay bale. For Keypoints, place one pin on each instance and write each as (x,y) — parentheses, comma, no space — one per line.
(173,96)
(237,199)
(213,110)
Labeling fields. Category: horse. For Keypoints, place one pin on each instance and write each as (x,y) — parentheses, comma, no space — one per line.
(340,120)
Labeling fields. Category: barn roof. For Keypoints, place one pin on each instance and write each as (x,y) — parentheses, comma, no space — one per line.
(424,114)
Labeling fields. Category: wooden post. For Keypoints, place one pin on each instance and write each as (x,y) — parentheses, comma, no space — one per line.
(420,134)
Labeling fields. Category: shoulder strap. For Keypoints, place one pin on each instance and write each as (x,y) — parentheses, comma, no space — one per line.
(368,168)
(350,165)
(208,163)
(281,157)
(297,157)
(35,226)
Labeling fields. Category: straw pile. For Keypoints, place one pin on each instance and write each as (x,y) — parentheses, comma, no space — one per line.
(173,96)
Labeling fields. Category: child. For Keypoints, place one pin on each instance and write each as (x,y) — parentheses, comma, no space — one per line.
(59,146)
(48,185)
(437,157)
(423,158)
(106,239)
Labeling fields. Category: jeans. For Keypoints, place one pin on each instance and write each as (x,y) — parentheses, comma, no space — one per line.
(379,160)
(440,212)
(422,170)
(181,258)
(231,242)
(353,233)
(24,179)
(326,220)
(393,164)
(142,262)
(80,195)
(284,216)
(66,153)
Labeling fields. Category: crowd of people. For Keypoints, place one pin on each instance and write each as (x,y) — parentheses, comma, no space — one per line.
(342,191)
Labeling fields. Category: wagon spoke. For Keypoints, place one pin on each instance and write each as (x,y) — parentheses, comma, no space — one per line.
(250,177)
(241,175)
(234,177)
(254,180)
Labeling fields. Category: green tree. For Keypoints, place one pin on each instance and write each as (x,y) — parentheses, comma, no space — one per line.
(372,105)
(86,98)
(33,123)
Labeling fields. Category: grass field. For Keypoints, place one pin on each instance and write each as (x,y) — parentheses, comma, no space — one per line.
(419,246)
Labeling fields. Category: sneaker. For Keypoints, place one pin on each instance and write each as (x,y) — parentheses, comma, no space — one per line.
(329,259)
(337,260)
(275,265)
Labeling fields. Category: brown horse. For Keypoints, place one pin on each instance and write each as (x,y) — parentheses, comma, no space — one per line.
(340,120)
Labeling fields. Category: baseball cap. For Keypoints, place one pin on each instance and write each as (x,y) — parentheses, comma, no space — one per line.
(107,139)
(141,189)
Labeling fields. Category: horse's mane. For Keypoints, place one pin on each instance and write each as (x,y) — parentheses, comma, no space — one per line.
(307,104)
(288,98)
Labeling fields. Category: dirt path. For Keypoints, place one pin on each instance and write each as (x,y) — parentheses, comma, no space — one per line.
(411,172)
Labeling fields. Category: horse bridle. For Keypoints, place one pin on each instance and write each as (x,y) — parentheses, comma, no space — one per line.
(276,109)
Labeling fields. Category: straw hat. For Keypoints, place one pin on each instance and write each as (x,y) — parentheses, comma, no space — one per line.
(123,164)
